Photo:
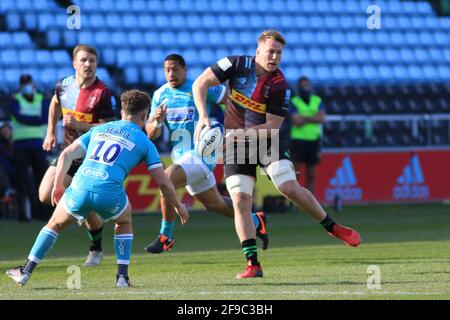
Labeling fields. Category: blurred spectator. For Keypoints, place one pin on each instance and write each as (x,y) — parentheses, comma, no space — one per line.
(7,170)
(306,118)
(29,113)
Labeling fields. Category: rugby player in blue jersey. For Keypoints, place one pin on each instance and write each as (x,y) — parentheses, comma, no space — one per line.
(109,151)
(173,105)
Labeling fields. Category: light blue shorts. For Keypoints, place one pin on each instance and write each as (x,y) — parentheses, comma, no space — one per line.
(80,203)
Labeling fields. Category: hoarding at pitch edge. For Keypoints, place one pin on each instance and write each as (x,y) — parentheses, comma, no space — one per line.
(359,177)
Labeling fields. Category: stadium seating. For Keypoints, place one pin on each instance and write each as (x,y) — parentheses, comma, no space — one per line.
(354,69)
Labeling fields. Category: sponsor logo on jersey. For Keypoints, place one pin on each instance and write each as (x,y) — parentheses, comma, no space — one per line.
(224,64)
(95,173)
(411,183)
(79,116)
(247,103)
(344,184)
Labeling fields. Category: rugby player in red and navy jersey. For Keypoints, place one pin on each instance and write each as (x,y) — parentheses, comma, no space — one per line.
(83,101)
(257,104)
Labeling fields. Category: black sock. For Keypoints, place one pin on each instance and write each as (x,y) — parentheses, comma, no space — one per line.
(328,223)
(29,266)
(251,254)
(122,270)
(96,239)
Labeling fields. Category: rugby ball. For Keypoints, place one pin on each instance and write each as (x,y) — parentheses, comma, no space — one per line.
(210,139)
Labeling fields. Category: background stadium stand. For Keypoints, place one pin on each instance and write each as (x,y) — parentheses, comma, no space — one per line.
(403,68)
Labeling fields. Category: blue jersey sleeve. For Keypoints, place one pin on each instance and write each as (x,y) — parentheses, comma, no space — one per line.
(84,139)
(152,159)
(216,94)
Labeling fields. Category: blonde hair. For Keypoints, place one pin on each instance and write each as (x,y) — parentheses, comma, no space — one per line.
(84,47)
(272,34)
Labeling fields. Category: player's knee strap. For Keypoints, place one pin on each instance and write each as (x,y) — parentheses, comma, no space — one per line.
(281,171)
(240,183)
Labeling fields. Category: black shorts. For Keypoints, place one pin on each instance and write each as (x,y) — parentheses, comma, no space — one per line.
(73,168)
(246,163)
(305,151)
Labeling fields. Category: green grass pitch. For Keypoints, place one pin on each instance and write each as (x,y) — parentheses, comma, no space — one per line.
(409,243)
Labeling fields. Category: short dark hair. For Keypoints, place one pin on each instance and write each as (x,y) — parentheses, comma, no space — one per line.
(303,78)
(25,79)
(176,57)
(135,101)
(84,47)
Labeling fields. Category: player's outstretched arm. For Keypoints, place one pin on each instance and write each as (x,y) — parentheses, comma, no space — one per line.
(200,91)
(54,114)
(72,152)
(169,192)
(155,122)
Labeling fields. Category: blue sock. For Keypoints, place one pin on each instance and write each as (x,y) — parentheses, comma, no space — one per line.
(123,244)
(43,244)
(255,219)
(167,228)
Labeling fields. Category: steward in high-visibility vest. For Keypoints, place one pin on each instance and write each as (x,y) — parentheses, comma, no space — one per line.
(29,113)
(307,115)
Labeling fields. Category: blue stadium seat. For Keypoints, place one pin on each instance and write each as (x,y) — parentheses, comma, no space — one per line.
(157,56)
(177,21)
(160,77)
(108,5)
(401,73)
(95,21)
(385,72)
(255,21)
(370,73)
(113,22)
(432,22)
(347,22)
(307,71)
(44,58)
(288,56)
(5,39)
(398,38)
(123,7)
(221,53)
(377,55)
(316,55)
(354,72)
(135,38)
(316,22)
(307,37)
(132,75)
(118,38)
(141,56)
(86,37)
(184,38)
(323,38)
(337,7)
(151,39)
(191,56)
(201,6)
(415,72)
(339,73)
(421,55)
(103,74)
(161,21)
(430,72)
(444,73)
(424,7)
(167,38)
(362,54)
(323,74)
(207,57)
(347,55)
(30,21)
(426,39)
(61,57)
(22,40)
(215,38)
(70,38)
(354,38)
(102,38)
(383,38)
(407,55)
(291,74)
(436,55)
(53,38)
(6,6)
(129,22)
(148,75)
(194,22)
(145,22)
(286,21)
(209,21)
(225,21)
(108,56)
(139,6)
(392,55)
(412,38)
(442,38)
(12,77)
(26,57)
(301,55)
(193,73)
(124,57)
(45,21)
(13,21)
(417,22)
(293,5)
(64,72)
(332,55)
(47,76)
(240,21)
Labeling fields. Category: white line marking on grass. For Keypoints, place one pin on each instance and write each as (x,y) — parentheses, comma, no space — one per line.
(203,293)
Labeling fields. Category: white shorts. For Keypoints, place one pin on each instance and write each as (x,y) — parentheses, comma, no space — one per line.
(198,176)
